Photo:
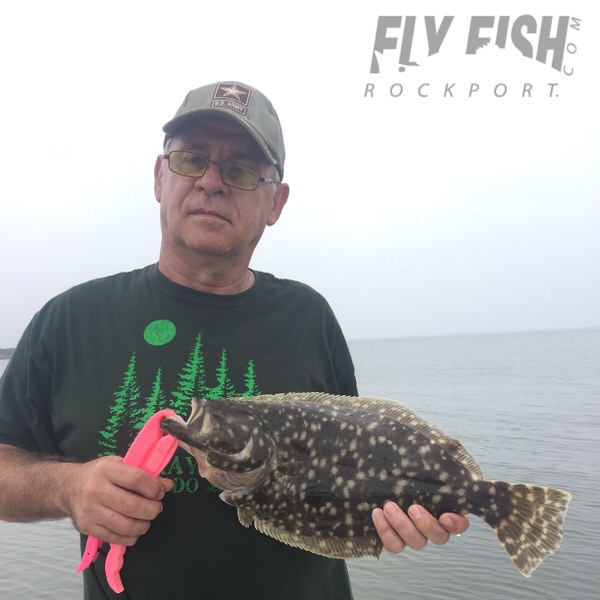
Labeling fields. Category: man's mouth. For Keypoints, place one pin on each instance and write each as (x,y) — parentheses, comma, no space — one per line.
(207,213)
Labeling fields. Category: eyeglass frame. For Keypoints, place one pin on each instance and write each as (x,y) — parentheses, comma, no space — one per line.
(219,164)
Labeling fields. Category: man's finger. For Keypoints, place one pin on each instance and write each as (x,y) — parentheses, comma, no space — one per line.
(390,539)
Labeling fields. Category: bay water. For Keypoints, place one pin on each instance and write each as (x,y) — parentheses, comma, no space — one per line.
(526,406)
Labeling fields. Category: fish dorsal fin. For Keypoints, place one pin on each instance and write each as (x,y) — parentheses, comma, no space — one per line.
(388,408)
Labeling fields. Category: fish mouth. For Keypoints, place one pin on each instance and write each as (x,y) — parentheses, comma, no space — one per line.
(177,427)
(174,425)
(175,418)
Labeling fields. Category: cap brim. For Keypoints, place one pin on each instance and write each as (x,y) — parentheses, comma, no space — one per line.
(175,125)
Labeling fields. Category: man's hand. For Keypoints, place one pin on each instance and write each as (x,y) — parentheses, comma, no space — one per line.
(398,529)
(106,498)
(113,501)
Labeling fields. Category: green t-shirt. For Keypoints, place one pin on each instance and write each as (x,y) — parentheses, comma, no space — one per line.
(101,358)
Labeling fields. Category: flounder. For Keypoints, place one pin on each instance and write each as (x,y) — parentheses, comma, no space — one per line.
(308,468)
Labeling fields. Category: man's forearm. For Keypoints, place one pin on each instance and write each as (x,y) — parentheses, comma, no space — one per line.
(104,497)
(32,487)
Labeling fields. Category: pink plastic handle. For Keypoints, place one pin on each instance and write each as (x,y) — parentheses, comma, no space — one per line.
(112,567)
(90,553)
(151,450)
(143,451)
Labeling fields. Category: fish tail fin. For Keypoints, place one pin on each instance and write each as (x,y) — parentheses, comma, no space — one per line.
(528,521)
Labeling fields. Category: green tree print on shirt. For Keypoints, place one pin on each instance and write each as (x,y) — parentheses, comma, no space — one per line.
(130,410)
(157,400)
(250,381)
(192,379)
(122,411)
(224,388)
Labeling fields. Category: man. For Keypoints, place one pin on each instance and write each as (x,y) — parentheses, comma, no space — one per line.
(101,358)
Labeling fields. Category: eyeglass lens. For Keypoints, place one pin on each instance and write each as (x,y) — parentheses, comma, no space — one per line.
(191,164)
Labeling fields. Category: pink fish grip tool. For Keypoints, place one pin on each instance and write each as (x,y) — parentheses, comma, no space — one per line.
(151,450)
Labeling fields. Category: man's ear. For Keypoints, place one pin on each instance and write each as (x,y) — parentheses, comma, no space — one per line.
(279,200)
(158,174)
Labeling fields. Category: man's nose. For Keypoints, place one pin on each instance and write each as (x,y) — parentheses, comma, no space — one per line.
(211,181)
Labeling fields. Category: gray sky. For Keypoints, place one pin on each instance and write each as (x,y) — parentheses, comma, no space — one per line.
(412,215)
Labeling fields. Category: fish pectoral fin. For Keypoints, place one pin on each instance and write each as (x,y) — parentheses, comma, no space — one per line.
(331,547)
(225,497)
(245,516)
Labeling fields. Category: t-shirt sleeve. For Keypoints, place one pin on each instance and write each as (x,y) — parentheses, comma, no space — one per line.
(341,357)
(345,375)
(25,389)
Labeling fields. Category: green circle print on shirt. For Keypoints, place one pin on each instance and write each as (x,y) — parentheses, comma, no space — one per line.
(159,333)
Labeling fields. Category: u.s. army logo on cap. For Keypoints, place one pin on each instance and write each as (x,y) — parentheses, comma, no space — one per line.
(232,96)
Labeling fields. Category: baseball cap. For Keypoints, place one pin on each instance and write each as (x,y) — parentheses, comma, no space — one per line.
(245,105)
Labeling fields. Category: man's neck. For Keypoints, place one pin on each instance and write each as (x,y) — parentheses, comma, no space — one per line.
(208,278)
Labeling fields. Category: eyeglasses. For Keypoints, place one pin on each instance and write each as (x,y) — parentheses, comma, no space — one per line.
(190,164)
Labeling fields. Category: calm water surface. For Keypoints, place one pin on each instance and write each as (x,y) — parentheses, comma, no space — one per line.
(527,406)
